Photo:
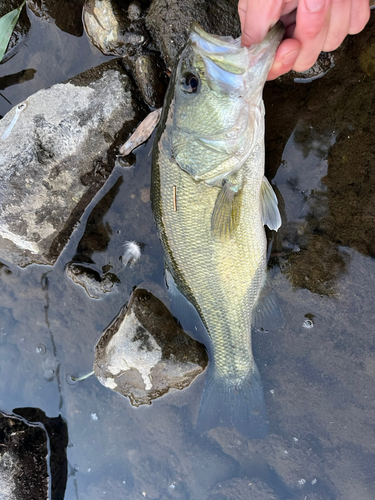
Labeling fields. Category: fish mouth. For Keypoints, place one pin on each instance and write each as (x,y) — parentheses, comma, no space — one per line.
(226,54)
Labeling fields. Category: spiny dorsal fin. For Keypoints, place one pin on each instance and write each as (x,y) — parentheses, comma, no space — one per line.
(269,203)
(226,213)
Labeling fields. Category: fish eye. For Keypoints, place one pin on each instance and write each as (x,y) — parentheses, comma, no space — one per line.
(189,83)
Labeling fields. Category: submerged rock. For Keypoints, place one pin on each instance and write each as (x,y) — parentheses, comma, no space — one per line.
(112,27)
(241,488)
(58,147)
(23,460)
(94,284)
(144,353)
(149,72)
(105,24)
(325,62)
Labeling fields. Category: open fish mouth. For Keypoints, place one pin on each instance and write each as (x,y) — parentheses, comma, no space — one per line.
(226,61)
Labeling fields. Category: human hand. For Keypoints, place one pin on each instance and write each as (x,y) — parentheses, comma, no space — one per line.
(310,27)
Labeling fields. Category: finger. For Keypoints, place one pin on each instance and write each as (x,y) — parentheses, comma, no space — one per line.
(257,18)
(338,24)
(359,16)
(289,19)
(311,31)
(285,58)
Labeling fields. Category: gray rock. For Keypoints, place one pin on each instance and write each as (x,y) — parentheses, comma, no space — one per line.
(144,353)
(151,79)
(169,22)
(113,28)
(94,284)
(322,65)
(149,71)
(58,148)
(134,11)
(105,24)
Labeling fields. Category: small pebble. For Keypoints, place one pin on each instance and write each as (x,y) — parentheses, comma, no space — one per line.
(134,11)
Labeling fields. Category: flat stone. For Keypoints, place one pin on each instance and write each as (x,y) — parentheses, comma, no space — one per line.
(105,24)
(144,353)
(94,284)
(58,148)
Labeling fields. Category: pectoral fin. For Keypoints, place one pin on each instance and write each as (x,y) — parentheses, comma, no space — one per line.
(226,213)
(270,209)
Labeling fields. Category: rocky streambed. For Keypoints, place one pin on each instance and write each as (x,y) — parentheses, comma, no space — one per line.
(94,69)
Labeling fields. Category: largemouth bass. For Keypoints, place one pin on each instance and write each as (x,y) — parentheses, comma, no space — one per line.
(211,201)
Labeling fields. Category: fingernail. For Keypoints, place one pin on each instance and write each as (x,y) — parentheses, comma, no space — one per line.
(314,5)
(290,57)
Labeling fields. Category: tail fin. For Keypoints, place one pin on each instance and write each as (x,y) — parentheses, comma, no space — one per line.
(238,404)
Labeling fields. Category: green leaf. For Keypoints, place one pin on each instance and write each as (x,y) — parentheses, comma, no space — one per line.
(7,24)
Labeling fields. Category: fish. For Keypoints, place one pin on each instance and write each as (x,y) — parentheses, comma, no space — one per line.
(211,201)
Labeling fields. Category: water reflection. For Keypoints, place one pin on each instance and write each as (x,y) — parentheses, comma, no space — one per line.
(67,15)
(328,204)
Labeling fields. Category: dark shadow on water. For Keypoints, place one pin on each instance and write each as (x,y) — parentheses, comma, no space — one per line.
(16,79)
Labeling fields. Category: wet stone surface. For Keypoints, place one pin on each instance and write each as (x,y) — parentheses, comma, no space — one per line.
(149,72)
(115,27)
(94,284)
(106,24)
(144,353)
(325,62)
(23,460)
(58,148)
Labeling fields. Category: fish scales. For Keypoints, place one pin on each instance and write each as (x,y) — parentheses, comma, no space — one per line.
(216,274)
(217,263)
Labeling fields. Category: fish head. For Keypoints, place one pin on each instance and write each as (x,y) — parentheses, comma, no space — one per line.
(216,102)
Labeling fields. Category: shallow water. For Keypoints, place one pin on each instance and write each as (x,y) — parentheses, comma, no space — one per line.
(317,364)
